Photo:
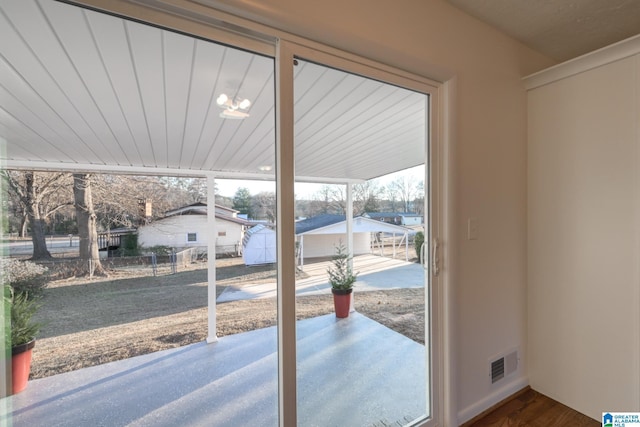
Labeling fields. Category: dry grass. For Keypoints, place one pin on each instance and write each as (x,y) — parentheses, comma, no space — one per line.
(129,314)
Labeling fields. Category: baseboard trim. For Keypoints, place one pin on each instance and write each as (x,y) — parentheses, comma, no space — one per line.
(474,412)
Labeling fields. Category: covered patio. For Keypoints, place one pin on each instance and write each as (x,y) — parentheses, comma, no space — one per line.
(374,376)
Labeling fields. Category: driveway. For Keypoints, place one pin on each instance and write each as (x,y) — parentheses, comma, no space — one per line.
(374,273)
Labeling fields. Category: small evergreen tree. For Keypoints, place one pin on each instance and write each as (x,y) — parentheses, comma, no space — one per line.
(341,274)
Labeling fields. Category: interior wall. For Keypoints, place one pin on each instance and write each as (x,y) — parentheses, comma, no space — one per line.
(584,282)
(436,40)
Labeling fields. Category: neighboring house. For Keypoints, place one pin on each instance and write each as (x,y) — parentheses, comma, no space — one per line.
(186,227)
(397,218)
(319,235)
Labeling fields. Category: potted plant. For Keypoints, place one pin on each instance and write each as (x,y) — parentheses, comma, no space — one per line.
(341,278)
(23,336)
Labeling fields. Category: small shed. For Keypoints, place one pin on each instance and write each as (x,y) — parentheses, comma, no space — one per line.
(259,245)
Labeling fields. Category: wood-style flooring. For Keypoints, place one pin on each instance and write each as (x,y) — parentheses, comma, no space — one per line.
(530,408)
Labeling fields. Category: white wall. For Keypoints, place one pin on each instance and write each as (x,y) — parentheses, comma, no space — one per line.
(229,233)
(584,218)
(323,245)
(172,232)
(411,220)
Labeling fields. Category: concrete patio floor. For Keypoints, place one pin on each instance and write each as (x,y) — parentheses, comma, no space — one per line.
(351,372)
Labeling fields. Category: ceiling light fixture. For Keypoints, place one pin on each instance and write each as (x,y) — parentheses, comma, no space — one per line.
(232,107)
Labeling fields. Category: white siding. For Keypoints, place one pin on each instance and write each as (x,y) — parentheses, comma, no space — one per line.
(411,220)
(322,245)
(173,232)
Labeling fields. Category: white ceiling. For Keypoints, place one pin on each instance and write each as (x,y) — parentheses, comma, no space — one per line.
(80,89)
(560,29)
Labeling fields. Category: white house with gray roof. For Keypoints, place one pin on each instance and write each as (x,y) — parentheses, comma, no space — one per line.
(186,227)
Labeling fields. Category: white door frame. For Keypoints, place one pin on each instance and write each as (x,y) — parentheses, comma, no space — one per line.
(286,53)
(206,22)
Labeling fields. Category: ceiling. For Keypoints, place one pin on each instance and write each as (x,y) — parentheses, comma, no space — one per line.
(84,90)
(560,29)
(81,90)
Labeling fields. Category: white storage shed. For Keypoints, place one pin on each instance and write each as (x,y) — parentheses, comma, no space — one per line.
(259,245)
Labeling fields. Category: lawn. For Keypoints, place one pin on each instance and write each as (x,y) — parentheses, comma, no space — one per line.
(89,322)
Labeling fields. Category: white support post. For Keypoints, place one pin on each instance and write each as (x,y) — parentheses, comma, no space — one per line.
(350,235)
(302,252)
(350,223)
(286,232)
(394,245)
(406,246)
(211,259)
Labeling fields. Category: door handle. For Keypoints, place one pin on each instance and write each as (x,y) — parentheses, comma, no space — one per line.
(435,257)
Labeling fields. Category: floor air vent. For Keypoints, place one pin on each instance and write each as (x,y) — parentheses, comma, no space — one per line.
(504,366)
(497,370)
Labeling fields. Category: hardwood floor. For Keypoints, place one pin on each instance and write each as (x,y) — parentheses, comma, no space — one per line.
(530,408)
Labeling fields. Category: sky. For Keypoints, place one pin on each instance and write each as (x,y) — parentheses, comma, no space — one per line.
(228,187)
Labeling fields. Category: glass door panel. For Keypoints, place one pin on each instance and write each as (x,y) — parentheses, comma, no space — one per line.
(360,149)
(89,91)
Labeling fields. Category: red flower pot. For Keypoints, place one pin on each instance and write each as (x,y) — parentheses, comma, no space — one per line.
(342,301)
(21,365)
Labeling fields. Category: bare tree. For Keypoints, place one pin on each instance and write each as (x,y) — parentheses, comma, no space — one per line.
(321,201)
(182,191)
(406,188)
(333,199)
(366,197)
(87,231)
(418,203)
(391,197)
(163,193)
(263,206)
(116,198)
(40,195)
(17,219)
(330,199)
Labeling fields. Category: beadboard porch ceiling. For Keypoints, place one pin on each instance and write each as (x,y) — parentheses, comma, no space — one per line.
(85,90)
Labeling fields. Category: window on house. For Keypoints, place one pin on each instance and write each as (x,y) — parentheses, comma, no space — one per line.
(222,233)
(192,237)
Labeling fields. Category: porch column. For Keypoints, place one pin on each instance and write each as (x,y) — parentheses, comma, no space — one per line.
(350,236)
(406,246)
(302,252)
(350,223)
(211,258)
(394,245)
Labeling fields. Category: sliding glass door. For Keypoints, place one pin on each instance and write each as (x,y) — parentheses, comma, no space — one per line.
(362,222)
(347,147)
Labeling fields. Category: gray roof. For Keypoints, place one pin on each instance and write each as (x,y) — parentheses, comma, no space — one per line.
(389,214)
(318,222)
